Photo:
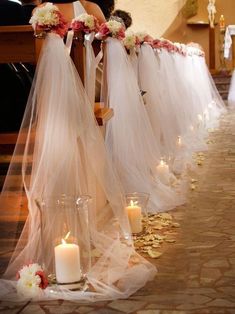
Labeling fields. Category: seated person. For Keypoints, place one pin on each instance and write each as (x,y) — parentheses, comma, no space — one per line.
(11,13)
(66,8)
(107,6)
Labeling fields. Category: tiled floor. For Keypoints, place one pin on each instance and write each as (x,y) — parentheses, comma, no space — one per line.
(197,273)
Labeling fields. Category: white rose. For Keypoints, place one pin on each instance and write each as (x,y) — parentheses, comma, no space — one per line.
(30,270)
(90,22)
(45,15)
(129,41)
(114,26)
(28,286)
(141,35)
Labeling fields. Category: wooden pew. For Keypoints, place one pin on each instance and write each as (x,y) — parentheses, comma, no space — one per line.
(18,44)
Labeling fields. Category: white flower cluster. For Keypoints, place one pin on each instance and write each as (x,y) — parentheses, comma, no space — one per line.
(28,283)
(193,51)
(87,19)
(141,36)
(181,47)
(130,40)
(114,26)
(178,45)
(45,15)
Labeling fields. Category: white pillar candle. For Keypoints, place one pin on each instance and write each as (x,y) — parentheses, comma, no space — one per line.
(200,121)
(163,172)
(67,263)
(135,217)
(179,141)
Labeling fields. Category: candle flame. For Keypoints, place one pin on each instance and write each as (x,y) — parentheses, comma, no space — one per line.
(199,117)
(179,140)
(162,162)
(63,241)
(67,235)
(133,203)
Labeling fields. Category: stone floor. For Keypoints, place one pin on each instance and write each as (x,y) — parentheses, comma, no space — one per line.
(197,273)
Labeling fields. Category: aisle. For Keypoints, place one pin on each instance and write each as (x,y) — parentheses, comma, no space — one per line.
(197,273)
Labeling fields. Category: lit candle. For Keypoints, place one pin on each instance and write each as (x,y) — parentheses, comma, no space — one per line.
(135,217)
(179,140)
(163,172)
(206,114)
(200,118)
(222,23)
(67,262)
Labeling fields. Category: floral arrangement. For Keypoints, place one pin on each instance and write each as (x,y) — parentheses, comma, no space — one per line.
(49,19)
(31,280)
(181,48)
(85,23)
(195,49)
(130,41)
(141,36)
(164,44)
(113,29)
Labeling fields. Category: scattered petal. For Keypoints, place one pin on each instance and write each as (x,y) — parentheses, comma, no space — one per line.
(165,216)
(170,240)
(96,253)
(154,254)
(175,225)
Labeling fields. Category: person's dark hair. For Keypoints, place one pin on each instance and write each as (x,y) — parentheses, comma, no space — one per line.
(26,2)
(59,1)
(125,16)
(106,6)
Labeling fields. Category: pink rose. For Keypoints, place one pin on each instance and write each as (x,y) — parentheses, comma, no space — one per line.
(104,30)
(44,280)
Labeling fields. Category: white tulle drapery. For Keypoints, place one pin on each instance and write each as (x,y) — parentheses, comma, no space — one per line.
(64,153)
(181,100)
(129,137)
(231,95)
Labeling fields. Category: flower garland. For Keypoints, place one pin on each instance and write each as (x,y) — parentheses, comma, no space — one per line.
(194,49)
(184,50)
(49,19)
(85,23)
(130,41)
(181,48)
(142,37)
(112,29)
(165,44)
(31,280)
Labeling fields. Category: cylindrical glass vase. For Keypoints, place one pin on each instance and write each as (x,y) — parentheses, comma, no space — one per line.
(136,208)
(65,238)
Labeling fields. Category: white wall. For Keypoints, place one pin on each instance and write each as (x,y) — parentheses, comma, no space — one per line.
(153,16)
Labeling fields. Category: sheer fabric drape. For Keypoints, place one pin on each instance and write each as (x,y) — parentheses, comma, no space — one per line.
(64,153)
(129,136)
